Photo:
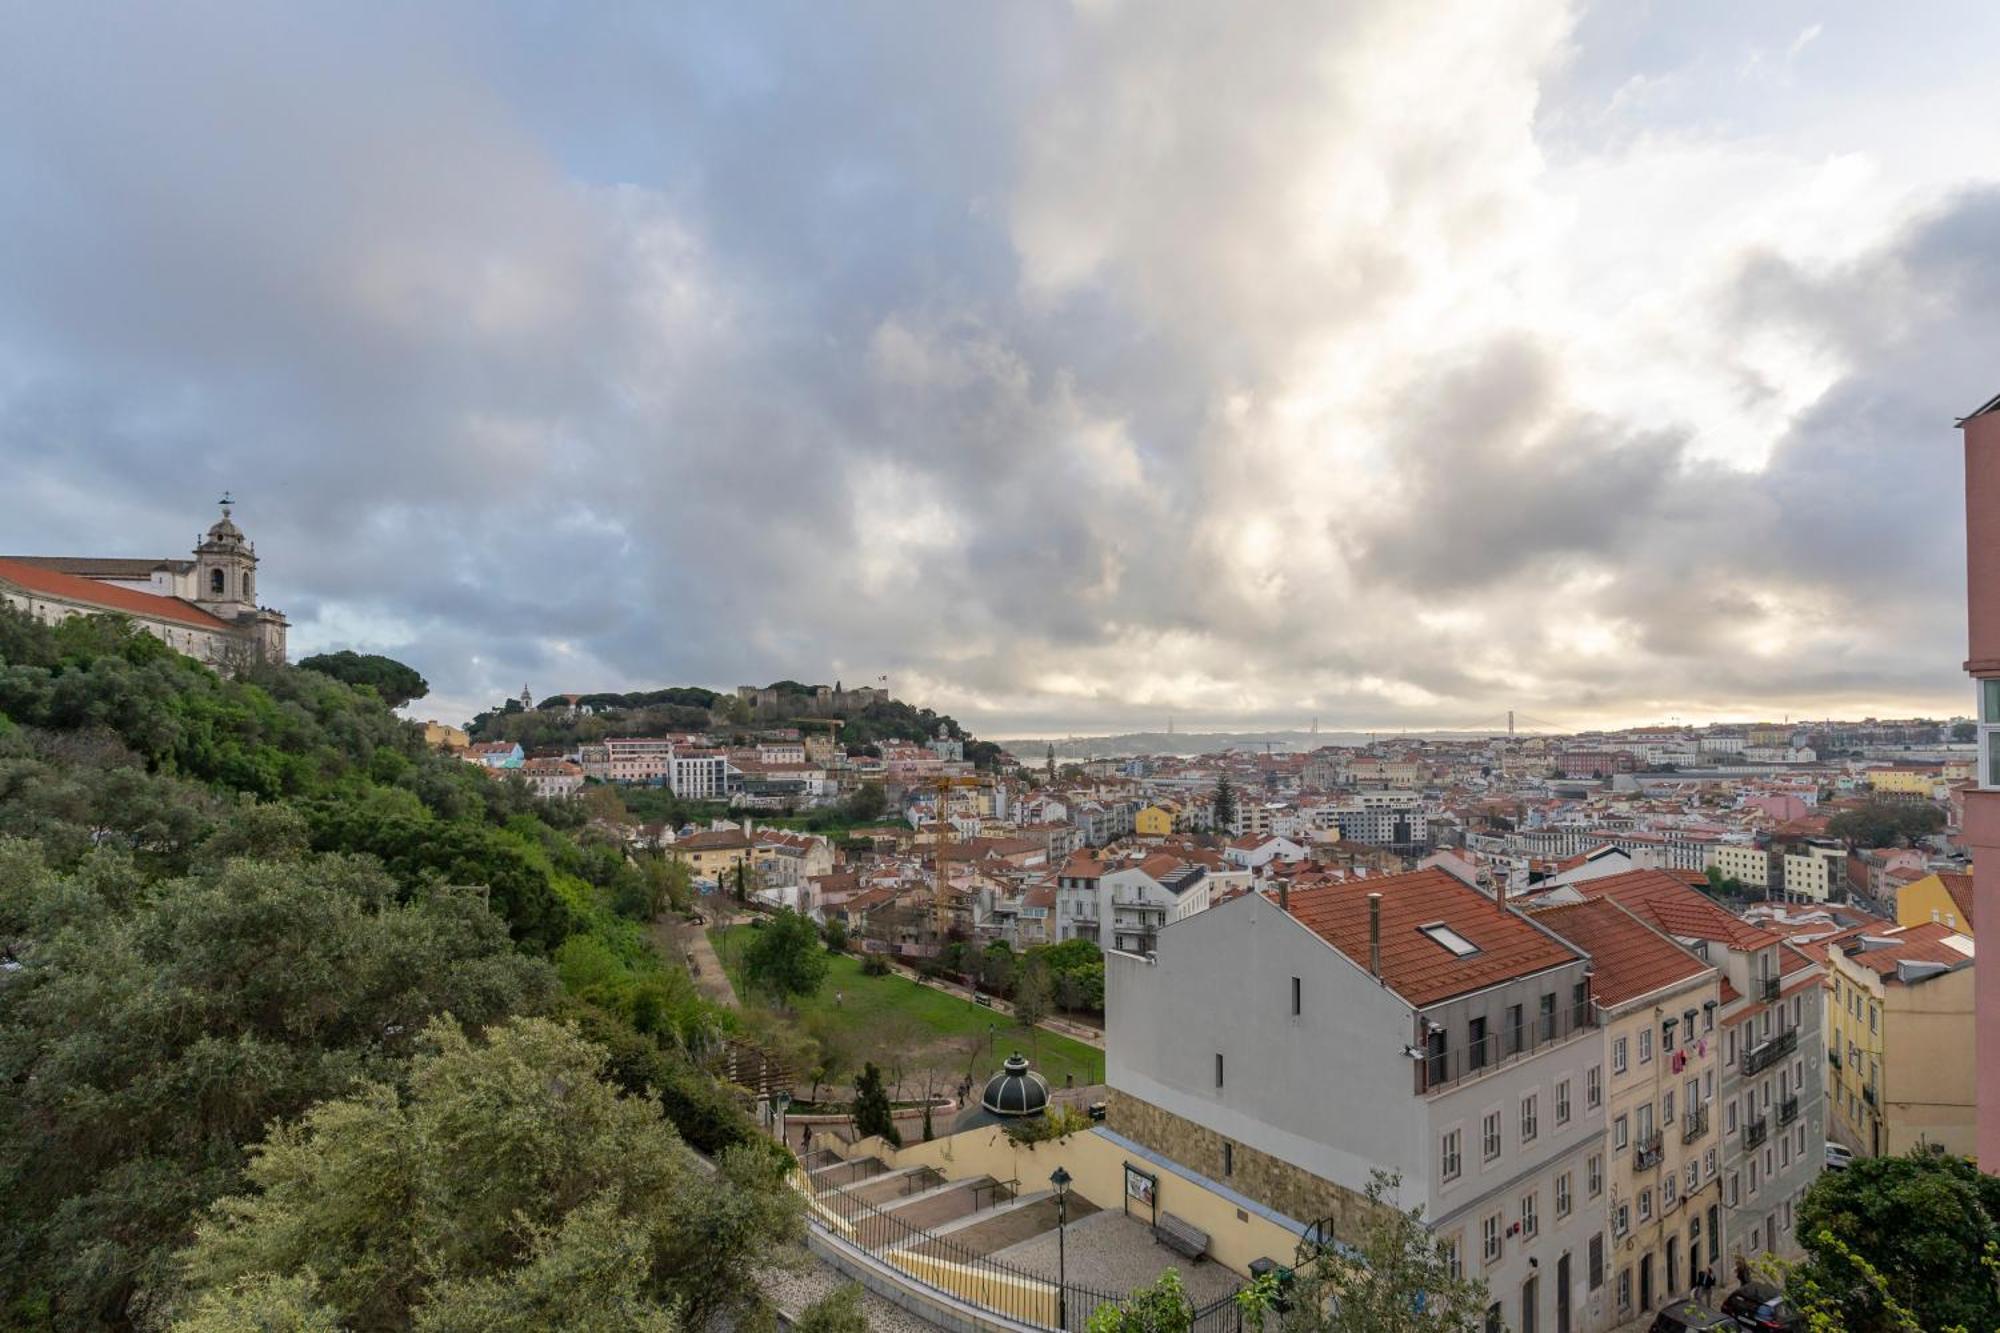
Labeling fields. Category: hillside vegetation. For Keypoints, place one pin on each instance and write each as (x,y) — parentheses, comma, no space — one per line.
(302,1025)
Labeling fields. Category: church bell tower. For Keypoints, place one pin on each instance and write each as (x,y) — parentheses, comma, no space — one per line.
(225,569)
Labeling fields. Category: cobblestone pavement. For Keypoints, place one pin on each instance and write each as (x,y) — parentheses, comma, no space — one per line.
(1111,1252)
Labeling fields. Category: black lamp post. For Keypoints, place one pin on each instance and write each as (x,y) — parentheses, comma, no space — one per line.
(1060,1179)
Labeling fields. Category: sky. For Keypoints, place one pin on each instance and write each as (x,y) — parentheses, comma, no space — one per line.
(1068,365)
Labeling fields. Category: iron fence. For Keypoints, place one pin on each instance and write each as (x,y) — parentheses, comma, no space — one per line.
(951,1268)
(1444,1065)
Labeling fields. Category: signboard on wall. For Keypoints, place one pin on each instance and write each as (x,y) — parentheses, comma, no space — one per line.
(1142,1189)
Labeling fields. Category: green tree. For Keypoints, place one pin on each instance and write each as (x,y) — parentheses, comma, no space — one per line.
(155,1030)
(511,1187)
(1162,1307)
(395,683)
(872,1113)
(1721,885)
(1924,1223)
(1222,804)
(786,959)
(1964,732)
(1886,823)
(1399,1281)
(1031,996)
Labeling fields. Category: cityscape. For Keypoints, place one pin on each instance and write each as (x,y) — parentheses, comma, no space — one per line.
(1372,644)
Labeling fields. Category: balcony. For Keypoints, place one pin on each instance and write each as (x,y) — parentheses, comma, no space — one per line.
(1445,1068)
(1695,1124)
(1768,988)
(1755,1132)
(1762,1057)
(1788,1110)
(1647,1150)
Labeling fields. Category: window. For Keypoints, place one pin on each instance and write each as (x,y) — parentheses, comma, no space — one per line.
(215,582)
(1443,935)
(1667,1035)
(1729,1116)
(1730,1058)
(1621,1134)
(1621,1219)
(1593,1174)
(1800,1135)
(1516,1029)
(1548,1017)
(1667,1107)
(1529,1225)
(1708,1160)
(1454,1254)
(1593,1087)
(1667,1186)
(1489,1135)
(1295,997)
(1562,1196)
(1645,1046)
(1646,1205)
(1624,1288)
(1448,1157)
(1529,1117)
(1596,1260)
(1495,1322)
(1562,1102)
(1753,1177)
(1475,1050)
(1693,1176)
(1218,1069)
(1489,1238)
(1228,1158)
(1618,1056)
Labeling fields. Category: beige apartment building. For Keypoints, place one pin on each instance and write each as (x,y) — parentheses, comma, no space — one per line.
(1900,1040)
(1656,1003)
(1752,865)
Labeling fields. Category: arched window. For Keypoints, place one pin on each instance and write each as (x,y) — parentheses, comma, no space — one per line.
(215,581)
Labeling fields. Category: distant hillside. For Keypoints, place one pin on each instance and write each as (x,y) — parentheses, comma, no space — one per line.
(867,717)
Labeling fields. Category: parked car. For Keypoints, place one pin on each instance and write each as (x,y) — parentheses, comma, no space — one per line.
(1762,1306)
(1688,1317)
(1838,1158)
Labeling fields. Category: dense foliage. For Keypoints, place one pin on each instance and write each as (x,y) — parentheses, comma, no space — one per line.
(225,902)
(1895,1237)
(785,960)
(1886,823)
(395,683)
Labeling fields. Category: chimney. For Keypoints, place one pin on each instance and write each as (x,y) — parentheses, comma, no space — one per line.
(1500,892)
(1375,935)
(1285,896)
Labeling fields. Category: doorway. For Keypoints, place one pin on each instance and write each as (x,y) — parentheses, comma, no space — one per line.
(1562,1293)
(1670,1271)
(1529,1292)
(1646,1282)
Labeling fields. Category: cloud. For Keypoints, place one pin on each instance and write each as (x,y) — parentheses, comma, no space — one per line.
(1068,365)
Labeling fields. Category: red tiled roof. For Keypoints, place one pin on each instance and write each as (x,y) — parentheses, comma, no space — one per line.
(714,840)
(1913,944)
(1960,889)
(1679,910)
(1628,957)
(1082,865)
(1415,966)
(109,597)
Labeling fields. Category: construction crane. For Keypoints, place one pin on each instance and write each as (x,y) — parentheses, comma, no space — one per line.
(943,784)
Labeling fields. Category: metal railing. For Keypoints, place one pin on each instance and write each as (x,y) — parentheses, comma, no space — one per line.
(1695,1124)
(1756,1131)
(1647,1150)
(1442,1069)
(1768,988)
(926,1259)
(1770,1051)
(1788,1110)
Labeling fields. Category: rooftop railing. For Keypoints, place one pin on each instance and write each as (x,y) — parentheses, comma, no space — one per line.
(1454,1064)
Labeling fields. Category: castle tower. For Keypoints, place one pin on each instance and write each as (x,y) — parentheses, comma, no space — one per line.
(225,569)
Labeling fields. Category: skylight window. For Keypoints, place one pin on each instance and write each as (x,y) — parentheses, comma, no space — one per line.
(1442,934)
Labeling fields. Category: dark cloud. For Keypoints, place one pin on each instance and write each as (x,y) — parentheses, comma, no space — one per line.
(982,348)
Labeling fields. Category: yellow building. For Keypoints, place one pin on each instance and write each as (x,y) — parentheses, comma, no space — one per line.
(440,736)
(1809,876)
(1752,865)
(1657,1003)
(1921,782)
(713,855)
(1943,898)
(1153,822)
(1899,1042)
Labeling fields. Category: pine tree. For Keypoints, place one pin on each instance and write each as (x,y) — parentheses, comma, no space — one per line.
(1224,804)
(871,1106)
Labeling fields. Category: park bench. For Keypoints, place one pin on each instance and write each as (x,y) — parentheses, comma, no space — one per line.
(1180,1235)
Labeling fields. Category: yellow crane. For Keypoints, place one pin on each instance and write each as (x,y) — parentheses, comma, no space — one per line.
(943,784)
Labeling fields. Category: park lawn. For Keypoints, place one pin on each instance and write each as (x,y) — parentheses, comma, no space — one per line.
(865,1002)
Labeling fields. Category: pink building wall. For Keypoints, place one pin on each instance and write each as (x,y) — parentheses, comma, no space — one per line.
(1982,806)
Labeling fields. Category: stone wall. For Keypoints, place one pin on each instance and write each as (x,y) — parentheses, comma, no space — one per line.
(1269,1180)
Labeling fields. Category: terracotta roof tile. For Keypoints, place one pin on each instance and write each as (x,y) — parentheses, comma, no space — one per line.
(1960,889)
(110,597)
(1414,965)
(1628,958)
(1676,908)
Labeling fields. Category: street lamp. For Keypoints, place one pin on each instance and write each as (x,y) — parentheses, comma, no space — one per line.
(1060,1179)
(784,1104)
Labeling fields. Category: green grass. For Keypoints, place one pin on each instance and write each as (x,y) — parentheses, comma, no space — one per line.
(869,1007)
